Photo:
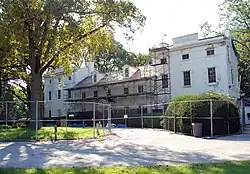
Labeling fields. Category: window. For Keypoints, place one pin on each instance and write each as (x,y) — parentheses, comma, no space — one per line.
(232,76)
(142,110)
(164,79)
(59,94)
(211,75)
(109,92)
(50,81)
(95,78)
(126,91)
(83,94)
(49,95)
(59,112)
(69,77)
(69,94)
(186,78)
(95,93)
(59,80)
(185,56)
(163,61)
(126,72)
(210,52)
(126,110)
(140,88)
(49,113)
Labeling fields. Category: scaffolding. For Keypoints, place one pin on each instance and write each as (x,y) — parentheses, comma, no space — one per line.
(154,76)
(160,60)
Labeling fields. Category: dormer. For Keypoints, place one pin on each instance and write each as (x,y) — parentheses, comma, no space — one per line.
(94,77)
(128,71)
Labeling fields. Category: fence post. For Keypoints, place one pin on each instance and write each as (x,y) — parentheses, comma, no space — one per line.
(109,117)
(36,119)
(67,125)
(94,120)
(103,115)
(228,117)
(6,114)
(167,115)
(152,122)
(141,116)
(174,120)
(191,120)
(211,117)
(164,118)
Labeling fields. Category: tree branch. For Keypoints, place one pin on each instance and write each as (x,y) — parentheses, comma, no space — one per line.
(244,45)
(242,17)
(16,95)
(52,38)
(12,66)
(23,88)
(69,45)
(43,37)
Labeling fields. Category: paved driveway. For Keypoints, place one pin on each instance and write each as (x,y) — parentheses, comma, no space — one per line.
(130,147)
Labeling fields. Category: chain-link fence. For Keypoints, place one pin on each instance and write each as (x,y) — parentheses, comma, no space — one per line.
(47,120)
(79,120)
(215,117)
(146,116)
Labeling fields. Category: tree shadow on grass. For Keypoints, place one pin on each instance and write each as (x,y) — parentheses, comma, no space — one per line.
(68,135)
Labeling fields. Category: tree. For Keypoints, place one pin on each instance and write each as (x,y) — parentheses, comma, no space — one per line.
(115,57)
(48,34)
(14,99)
(141,59)
(234,15)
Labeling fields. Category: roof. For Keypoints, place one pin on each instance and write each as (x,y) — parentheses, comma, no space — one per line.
(199,42)
(220,35)
(87,82)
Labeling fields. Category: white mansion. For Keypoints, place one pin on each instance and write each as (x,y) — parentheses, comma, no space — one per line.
(189,66)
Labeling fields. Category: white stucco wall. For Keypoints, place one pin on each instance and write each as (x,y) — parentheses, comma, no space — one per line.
(198,64)
(224,60)
(56,104)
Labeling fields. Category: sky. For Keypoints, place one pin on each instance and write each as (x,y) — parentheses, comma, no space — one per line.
(173,17)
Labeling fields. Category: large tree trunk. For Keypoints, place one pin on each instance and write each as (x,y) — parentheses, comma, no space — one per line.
(35,105)
(36,80)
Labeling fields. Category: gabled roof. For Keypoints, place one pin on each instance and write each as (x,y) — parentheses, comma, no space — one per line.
(107,80)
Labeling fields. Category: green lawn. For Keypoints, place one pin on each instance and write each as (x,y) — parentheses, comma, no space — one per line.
(223,168)
(46,133)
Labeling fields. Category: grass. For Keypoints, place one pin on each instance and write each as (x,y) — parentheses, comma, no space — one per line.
(221,168)
(46,133)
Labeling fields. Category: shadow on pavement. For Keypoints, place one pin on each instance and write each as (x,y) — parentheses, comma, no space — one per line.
(79,154)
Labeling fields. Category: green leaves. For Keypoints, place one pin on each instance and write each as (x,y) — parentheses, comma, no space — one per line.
(48,34)
(114,57)
(64,29)
(234,15)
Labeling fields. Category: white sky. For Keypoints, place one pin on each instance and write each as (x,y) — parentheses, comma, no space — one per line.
(172,17)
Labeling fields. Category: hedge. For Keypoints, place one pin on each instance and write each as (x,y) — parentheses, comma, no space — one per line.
(181,113)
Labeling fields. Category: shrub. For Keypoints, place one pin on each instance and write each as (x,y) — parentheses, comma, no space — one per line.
(181,113)
(5,127)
